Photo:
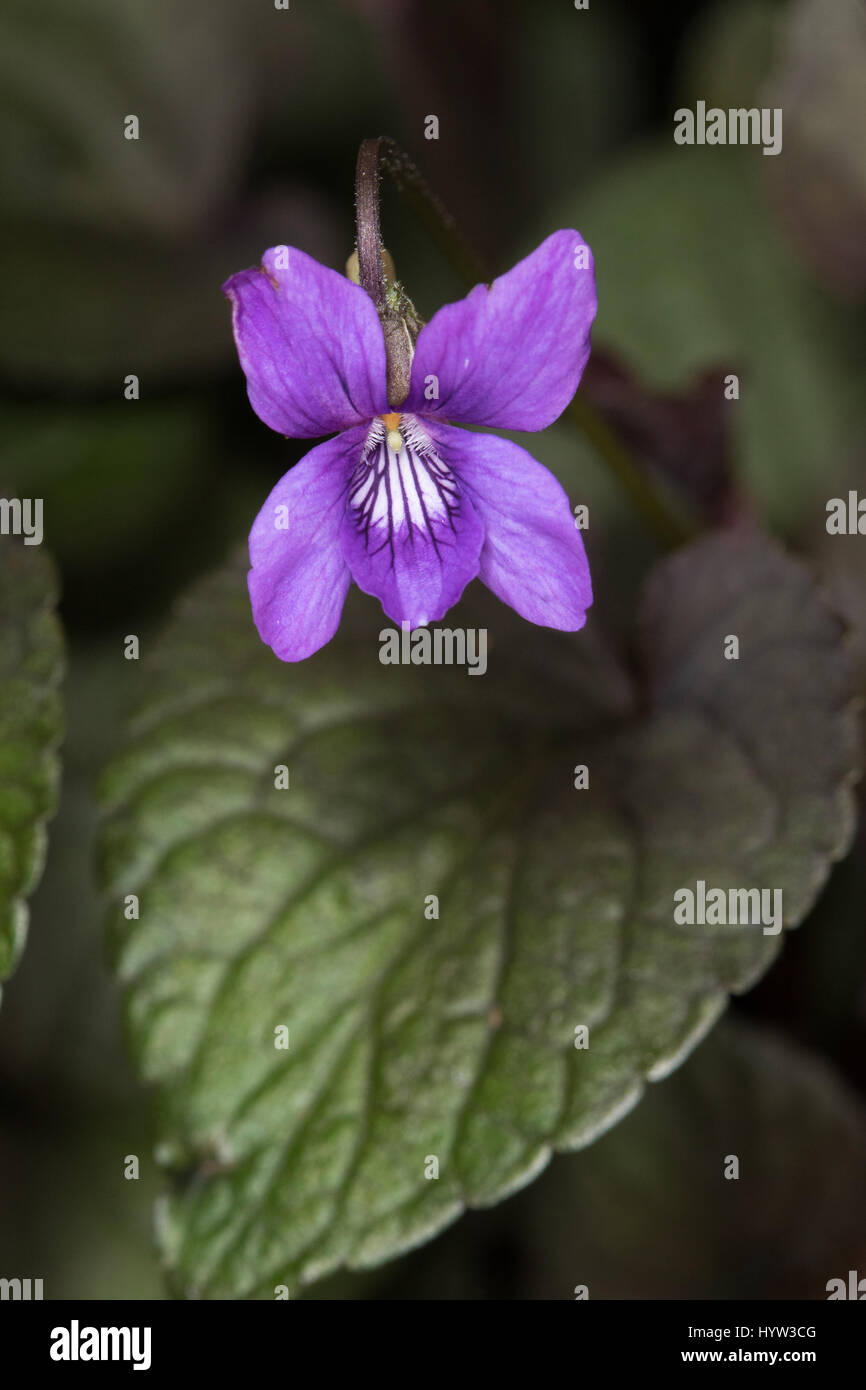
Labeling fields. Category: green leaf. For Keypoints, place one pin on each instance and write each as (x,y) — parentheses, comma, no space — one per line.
(451,1037)
(649,1211)
(692,274)
(31,719)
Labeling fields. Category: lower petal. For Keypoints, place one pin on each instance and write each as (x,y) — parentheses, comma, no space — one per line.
(410,535)
(533,556)
(299,579)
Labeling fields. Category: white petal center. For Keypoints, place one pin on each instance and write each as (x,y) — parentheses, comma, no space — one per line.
(401,483)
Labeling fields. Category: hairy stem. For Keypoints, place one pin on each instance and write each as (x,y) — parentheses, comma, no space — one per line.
(369,234)
(382,155)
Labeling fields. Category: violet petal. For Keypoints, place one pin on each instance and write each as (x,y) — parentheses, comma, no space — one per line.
(310,344)
(533,556)
(299,579)
(511,356)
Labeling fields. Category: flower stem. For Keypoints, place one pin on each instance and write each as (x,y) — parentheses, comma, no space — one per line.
(369,233)
(383,155)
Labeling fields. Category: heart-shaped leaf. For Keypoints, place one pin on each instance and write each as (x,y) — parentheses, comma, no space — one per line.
(741,1177)
(31,719)
(432,911)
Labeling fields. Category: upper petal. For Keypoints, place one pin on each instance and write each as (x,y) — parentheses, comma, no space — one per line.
(310,343)
(410,535)
(299,579)
(533,556)
(511,355)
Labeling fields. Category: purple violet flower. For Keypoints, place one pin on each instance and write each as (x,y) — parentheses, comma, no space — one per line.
(400,500)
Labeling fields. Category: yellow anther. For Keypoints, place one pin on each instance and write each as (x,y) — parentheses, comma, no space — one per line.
(392,425)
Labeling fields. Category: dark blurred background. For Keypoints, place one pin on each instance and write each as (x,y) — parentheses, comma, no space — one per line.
(709,261)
